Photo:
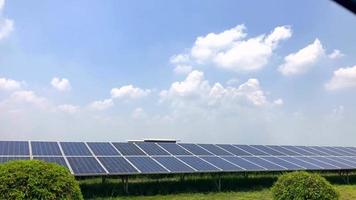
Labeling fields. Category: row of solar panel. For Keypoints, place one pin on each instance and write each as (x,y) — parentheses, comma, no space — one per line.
(119,165)
(23,148)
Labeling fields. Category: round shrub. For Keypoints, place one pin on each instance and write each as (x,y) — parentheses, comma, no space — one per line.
(34,179)
(303,185)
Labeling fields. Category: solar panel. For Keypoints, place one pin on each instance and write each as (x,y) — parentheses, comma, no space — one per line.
(117,165)
(75,149)
(268,150)
(128,149)
(283,163)
(174,149)
(12,148)
(6,159)
(198,164)
(326,151)
(151,148)
(330,160)
(147,165)
(251,150)
(234,150)
(304,164)
(313,151)
(195,149)
(45,148)
(57,160)
(345,160)
(345,151)
(85,166)
(173,164)
(299,150)
(285,151)
(265,164)
(215,149)
(244,163)
(221,163)
(102,149)
(318,163)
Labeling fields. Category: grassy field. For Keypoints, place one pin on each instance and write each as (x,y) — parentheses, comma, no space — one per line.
(198,188)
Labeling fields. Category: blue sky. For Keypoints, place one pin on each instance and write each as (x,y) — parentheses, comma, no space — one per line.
(199,71)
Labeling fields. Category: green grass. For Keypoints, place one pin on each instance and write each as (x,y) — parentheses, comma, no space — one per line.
(198,188)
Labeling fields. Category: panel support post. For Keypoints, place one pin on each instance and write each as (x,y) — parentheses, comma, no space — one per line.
(218,182)
(125,183)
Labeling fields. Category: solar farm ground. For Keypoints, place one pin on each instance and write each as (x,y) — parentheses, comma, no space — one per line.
(200,187)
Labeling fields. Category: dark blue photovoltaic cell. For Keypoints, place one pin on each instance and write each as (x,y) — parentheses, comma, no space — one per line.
(146,165)
(283,163)
(345,160)
(268,150)
(299,150)
(314,151)
(75,149)
(14,148)
(102,149)
(346,152)
(6,159)
(151,148)
(244,164)
(215,149)
(351,149)
(264,163)
(174,149)
(285,151)
(221,163)
(251,150)
(306,165)
(198,163)
(117,165)
(57,160)
(128,149)
(234,150)
(351,159)
(318,163)
(45,149)
(195,149)
(331,161)
(326,151)
(173,164)
(85,166)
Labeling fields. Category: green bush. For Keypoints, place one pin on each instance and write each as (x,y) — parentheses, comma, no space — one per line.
(303,185)
(34,179)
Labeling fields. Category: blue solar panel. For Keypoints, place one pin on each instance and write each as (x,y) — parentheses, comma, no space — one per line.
(283,163)
(313,151)
(174,149)
(198,164)
(75,149)
(221,163)
(215,149)
(285,151)
(344,151)
(12,148)
(306,165)
(128,149)
(346,160)
(334,162)
(151,148)
(6,159)
(244,163)
(45,149)
(173,164)
(351,149)
(85,166)
(146,165)
(251,150)
(329,151)
(300,151)
(57,160)
(268,150)
(263,163)
(102,149)
(117,165)
(195,149)
(318,163)
(233,150)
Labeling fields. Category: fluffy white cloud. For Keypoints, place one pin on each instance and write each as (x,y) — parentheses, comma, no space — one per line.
(232,51)
(278,102)
(101,105)
(6,25)
(28,96)
(343,78)
(9,84)
(129,92)
(301,61)
(67,108)
(183,69)
(196,90)
(336,54)
(61,84)
(138,113)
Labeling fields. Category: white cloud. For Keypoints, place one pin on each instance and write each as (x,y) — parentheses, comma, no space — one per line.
(101,105)
(343,78)
(2,3)
(336,54)
(9,84)
(28,96)
(233,82)
(301,61)
(6,25)
(183,69)
(61,84)
(129,92)
(138,113)
(67,108)
(278,102)
(180,58)
(231,51)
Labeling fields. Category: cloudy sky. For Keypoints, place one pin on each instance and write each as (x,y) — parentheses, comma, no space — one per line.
(227,71)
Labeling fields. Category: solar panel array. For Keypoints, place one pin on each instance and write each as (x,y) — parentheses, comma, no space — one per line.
(120,158)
